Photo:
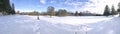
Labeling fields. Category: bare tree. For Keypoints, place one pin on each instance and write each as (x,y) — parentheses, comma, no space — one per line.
(50,11)
(62,12)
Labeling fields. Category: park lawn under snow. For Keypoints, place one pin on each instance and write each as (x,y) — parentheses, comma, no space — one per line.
(24,24)
(73,20)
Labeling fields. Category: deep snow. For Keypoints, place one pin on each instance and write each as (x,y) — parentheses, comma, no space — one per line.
(24,24)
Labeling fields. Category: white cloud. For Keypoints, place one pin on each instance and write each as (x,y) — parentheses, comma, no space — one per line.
(96,6)
(99,5)
(43,1)
(75,4)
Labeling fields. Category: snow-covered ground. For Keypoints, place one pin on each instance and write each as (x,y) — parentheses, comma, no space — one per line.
(24,24)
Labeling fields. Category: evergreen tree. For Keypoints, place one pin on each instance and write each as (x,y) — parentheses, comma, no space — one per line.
(50,11)
(106,11)
(80,13)
(118,10)
(1,5)
(76,13)
(13,8)
(119,5)
(7,6)
(113,12)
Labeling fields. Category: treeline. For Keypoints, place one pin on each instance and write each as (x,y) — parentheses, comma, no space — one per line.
(63,12)
(6,8)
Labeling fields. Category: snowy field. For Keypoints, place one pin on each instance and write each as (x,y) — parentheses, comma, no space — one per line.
(24,24)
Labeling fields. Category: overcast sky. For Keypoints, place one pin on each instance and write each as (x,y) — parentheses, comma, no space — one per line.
(96,6)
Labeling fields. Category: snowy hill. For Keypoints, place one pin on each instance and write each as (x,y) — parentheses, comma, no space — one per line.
(23,24)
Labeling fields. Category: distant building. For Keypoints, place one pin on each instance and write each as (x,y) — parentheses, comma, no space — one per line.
(5,7)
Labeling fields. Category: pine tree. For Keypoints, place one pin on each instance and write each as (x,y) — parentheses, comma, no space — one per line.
(118,10)
(13,8)
(119,5)
(76,13)
(80,13)
(106,11)
(113,12)
(8,8)
(1,5)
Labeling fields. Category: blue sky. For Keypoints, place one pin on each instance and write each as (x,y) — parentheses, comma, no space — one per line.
(69,5)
